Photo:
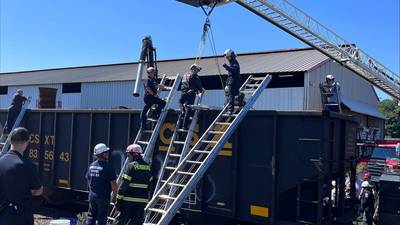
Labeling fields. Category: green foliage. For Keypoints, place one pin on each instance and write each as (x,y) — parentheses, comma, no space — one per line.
(391,110)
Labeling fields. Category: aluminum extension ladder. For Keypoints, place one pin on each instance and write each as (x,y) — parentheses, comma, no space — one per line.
(147,138)
(294,21)
(180,143)
(4,139)
(328,93)
(173,192)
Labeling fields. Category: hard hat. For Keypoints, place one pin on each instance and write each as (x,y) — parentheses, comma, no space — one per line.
(147,37)
(367,175)
(151,70)
(19,91)
(333,183)
(100,148)
(330,77)
(365,184)
(195,66)
(134,148)
(229,52)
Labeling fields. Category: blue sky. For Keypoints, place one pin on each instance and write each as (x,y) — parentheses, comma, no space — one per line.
(59,33)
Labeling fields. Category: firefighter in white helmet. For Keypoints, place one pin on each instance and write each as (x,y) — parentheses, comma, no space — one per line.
(333,92)
(367,203)
(133,193)
(233,81)
(102,180)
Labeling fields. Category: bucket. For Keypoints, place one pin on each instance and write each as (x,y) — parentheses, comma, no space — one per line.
(47,98)
(60,222)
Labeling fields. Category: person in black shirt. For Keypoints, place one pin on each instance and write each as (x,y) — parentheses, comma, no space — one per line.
(233,81)
(14,110)
(18,182)
(151,98)
(367,203)
(191,85)
(102,180)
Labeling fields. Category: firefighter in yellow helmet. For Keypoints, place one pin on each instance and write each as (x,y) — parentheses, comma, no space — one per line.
(133,193)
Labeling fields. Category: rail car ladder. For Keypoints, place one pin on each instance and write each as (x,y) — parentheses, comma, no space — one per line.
(4,139)
(180,143)
(176,188)
(330,97)
(147,138)
(305,201)
(294,21)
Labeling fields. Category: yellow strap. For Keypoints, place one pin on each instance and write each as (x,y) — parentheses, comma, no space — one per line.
(126,177)
(129,199)
(136,185)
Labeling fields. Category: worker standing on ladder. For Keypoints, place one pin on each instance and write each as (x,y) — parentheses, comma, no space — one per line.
(233,81)
(151,98)
(331,88)
(14,110)
(102,180)
(133,193)
(191,85)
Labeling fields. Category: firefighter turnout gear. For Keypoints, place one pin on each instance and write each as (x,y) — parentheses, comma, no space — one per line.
(133,194)
(233,81)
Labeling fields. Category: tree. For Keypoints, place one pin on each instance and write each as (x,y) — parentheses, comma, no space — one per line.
(391,110)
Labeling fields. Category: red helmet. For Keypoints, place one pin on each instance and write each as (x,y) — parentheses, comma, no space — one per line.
(134,148)
(367,175)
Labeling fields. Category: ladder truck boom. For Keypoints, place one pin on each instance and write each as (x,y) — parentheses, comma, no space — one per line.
(296,22)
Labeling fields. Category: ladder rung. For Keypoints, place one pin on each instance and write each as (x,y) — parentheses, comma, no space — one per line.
(257,78)
(143,142)
(185,173)
(216,132)
(147,131)
(179,142)
(167,197)
(307,201)
(209,142)
(194,162)
(201,152)
(182,130)
(170,168)
(167,88)
(175,155)
(157,210)
(230,115)
(176,185)
(151,119)
(111,218)
(223,123)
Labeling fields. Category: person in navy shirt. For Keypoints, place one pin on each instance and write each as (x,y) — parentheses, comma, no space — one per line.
(102,180)
(14,110)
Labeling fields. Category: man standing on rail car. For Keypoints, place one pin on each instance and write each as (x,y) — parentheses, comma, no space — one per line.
(191,85)
(233,81)
(18,182)
(14,110)
(102,180)
(133,193)
(331,88)
(150,97)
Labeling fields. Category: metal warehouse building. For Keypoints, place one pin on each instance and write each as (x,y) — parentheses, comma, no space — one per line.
(296,76)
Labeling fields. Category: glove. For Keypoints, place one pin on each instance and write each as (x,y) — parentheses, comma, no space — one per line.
(225,66)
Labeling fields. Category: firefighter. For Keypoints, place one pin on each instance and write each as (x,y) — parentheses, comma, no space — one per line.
(367,203)
(333,88)
(233,81)
(151,98)
(14,110)
(19,181)
(191,85)
(133,193)
(102,180)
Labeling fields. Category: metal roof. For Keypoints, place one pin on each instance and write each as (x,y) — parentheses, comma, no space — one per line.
(292,60)
(362,108)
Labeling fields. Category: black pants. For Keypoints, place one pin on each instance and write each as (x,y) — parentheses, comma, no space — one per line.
(150,100)
(231,91)
(11,118)
(187,99)
(130,211)
(98,211)
(368,216)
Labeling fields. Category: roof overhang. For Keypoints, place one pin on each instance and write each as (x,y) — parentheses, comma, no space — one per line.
(362,108)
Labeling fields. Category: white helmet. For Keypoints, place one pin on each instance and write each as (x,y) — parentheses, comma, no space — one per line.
(151,69)
(20,91)
(100,148)
(333,183)
(365,184)
(329,77)
(134,148)
(229,52)
(195,66)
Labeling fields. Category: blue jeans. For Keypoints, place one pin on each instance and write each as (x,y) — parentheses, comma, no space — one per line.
(98,211)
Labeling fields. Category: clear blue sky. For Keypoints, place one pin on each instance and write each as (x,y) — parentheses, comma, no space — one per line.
(62,33)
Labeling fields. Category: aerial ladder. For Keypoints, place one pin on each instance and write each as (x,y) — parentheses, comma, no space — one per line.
(296,22)
(173,191)
(147,137)
(5,138)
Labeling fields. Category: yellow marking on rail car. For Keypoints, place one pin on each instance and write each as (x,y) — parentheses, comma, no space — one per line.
(63,181)
(225,153)
(259,211)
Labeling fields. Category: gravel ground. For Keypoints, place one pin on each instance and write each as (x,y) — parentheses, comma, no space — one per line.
(43,215)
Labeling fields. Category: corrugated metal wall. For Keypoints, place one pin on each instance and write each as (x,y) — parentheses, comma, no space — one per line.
(351,84)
